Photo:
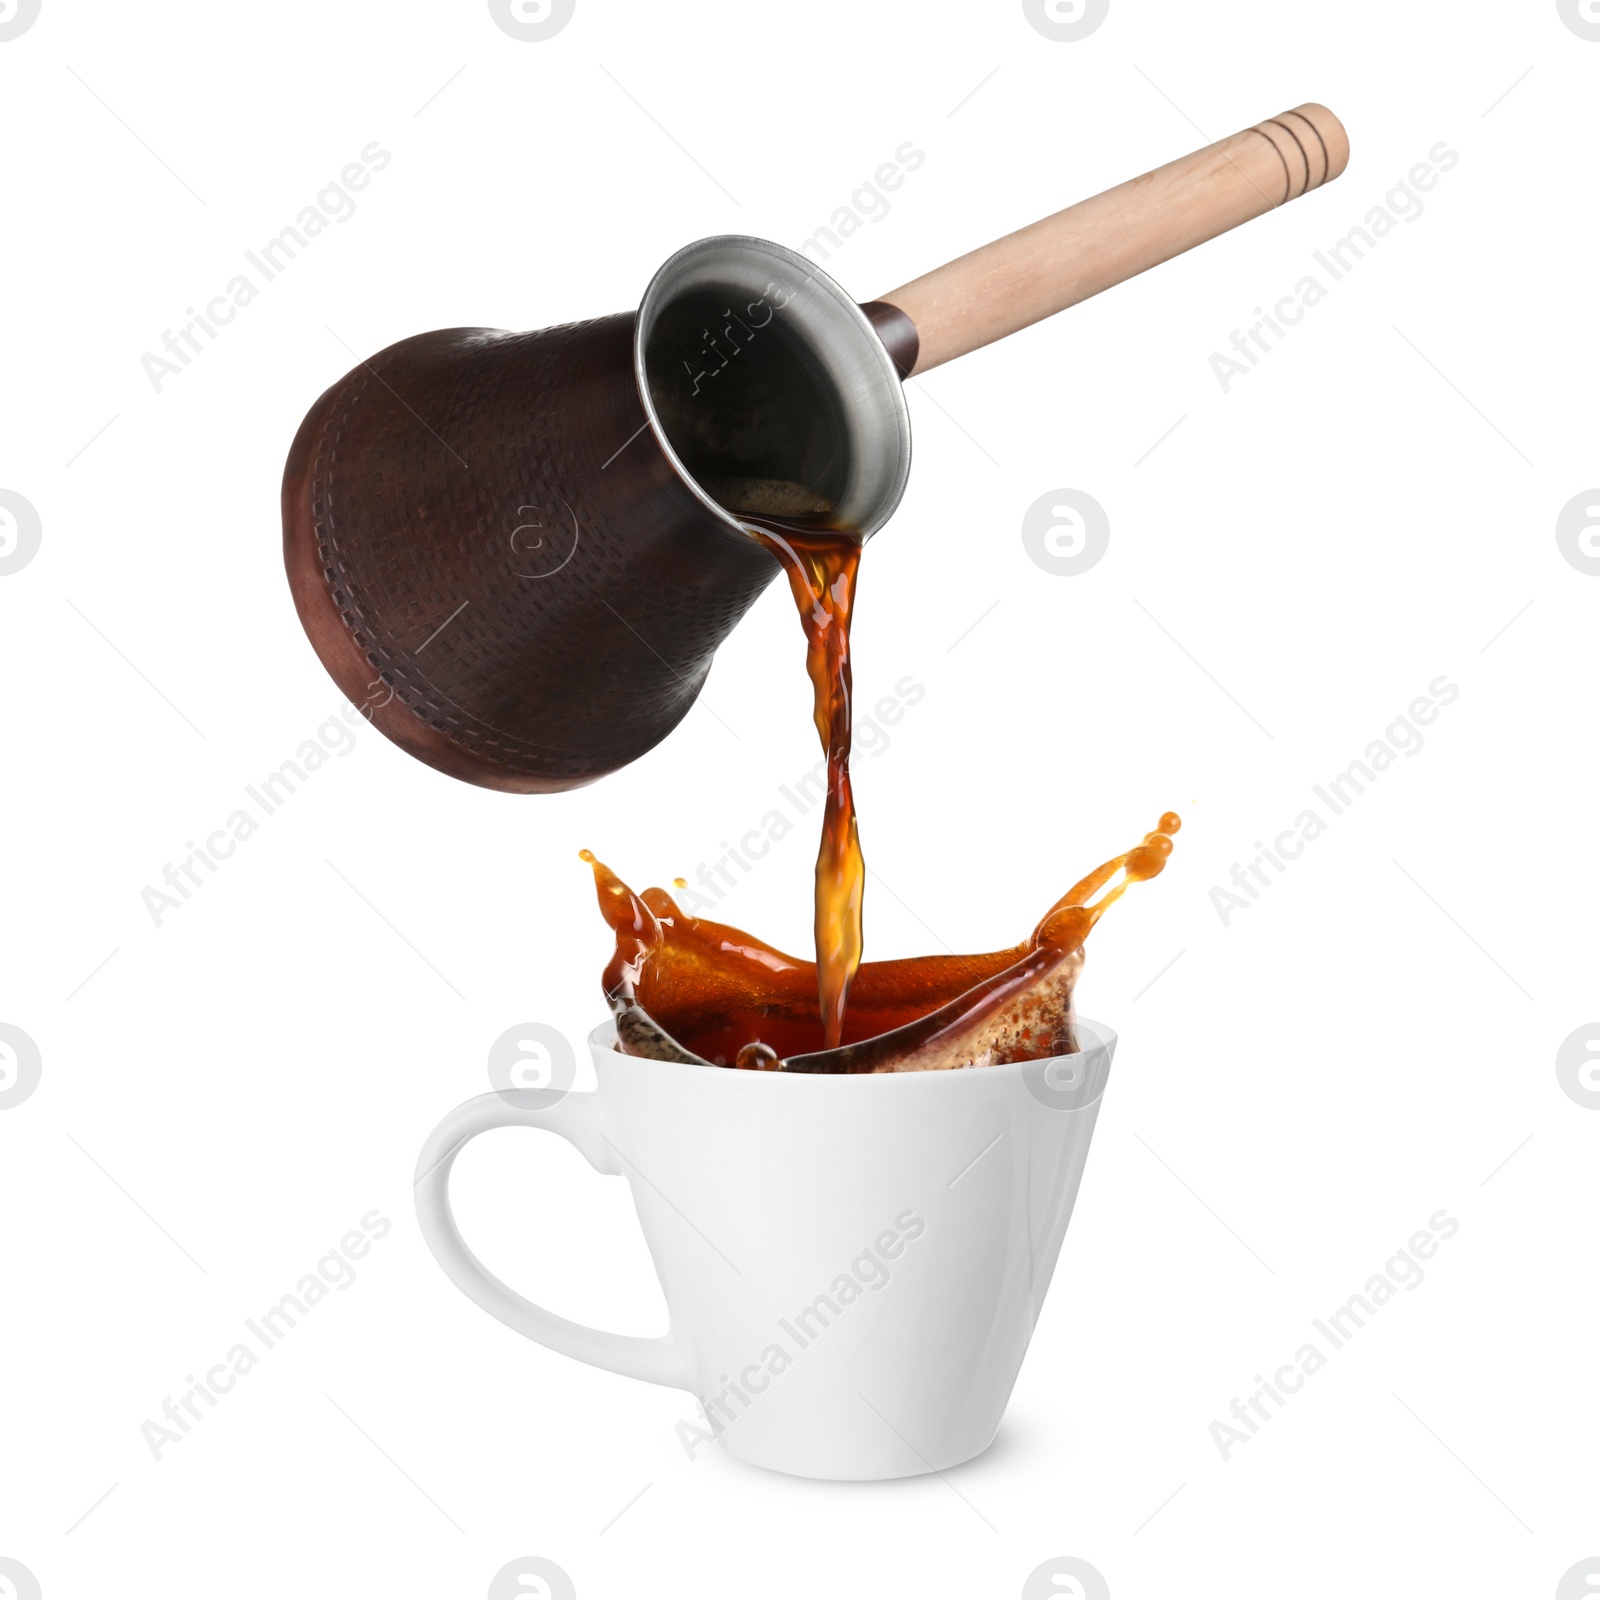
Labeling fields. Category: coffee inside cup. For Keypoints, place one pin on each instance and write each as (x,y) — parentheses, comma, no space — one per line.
(684,988)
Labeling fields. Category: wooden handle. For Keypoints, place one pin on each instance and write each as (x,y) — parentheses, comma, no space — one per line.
(1043,269)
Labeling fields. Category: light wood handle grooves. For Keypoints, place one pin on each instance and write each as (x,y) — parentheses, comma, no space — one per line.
(1053,264)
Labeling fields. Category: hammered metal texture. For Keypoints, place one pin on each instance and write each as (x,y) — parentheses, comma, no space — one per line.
(533,595)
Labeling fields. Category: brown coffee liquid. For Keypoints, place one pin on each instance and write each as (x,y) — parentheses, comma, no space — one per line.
(821,565)
(728,998)
(683,989)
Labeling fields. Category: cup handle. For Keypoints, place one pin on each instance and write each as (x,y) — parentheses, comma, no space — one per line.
(576,1117)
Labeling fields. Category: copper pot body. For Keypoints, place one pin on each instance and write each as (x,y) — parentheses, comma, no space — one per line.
(502,545)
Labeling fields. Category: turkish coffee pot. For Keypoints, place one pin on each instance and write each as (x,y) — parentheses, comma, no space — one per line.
(517,553)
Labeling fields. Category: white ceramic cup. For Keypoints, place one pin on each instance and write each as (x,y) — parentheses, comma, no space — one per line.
(853,1266)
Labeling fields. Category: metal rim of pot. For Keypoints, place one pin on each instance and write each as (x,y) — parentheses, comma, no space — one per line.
(854,363)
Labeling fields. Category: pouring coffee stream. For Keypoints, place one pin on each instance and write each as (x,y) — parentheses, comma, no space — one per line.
(821,566)
(518,553)
(1017,1011)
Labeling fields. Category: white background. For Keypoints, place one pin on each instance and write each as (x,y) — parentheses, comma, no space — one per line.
(1296,1094)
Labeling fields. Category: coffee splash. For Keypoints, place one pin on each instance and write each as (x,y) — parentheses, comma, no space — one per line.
(682,988)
